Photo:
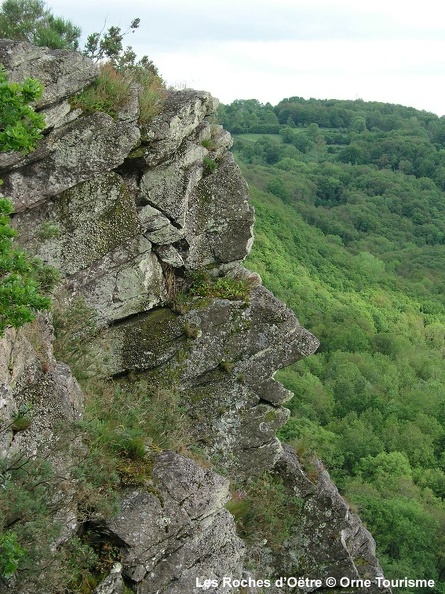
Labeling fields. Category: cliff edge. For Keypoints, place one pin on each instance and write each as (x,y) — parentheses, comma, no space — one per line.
(149,226)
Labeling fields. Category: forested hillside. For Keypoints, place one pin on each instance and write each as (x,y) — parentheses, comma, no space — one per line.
(350,232)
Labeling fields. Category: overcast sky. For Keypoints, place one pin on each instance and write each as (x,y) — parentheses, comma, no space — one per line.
(376,50)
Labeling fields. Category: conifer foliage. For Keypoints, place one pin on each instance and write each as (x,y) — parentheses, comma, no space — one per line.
(20,128)
(30,20)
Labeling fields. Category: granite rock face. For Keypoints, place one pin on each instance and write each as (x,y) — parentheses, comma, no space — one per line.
(129,214)
(32,380)
(71,154)
(315,539)
(169,533)
(179,531)
(62,73)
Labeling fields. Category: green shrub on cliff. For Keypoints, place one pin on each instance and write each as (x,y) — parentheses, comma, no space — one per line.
(109,93)
(114,87)
(265,512)
(234,289)
(20,286)
(21,277)
(10,553)
(121,76)
(20,125)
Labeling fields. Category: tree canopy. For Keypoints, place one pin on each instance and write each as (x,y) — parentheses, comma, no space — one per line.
(350,232)
(30,20)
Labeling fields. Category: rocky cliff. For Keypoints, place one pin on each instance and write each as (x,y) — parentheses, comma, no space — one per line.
(149,226)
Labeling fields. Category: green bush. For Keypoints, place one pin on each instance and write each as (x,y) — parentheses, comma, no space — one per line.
(31,495)
(109,93)
(21,278)
(209,144)
(120,75)
(22,508)
(108,46)
(11,554)
(23,419)
(209,165)
(114,87)
(151,96)
(20,125)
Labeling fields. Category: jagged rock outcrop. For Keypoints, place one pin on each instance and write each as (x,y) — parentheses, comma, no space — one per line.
(127,214)
(234,403)
(170,533)
(325,516)
(179,530)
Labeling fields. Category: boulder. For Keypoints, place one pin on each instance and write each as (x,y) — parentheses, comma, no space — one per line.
(178,530)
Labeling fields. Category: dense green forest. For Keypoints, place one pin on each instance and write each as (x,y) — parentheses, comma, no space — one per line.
(350,232)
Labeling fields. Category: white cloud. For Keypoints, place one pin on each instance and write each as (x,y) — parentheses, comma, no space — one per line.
(377,50)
